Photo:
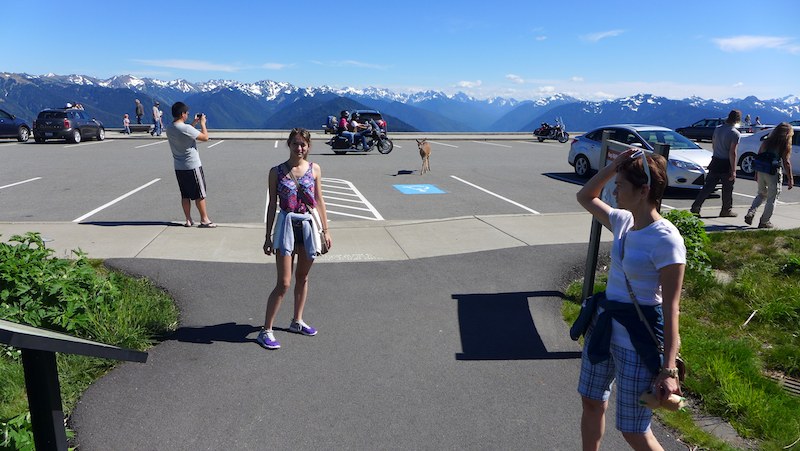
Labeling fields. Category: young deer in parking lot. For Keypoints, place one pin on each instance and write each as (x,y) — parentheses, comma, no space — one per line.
(425,154)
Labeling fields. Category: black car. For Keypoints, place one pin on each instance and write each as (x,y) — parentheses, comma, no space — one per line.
(702,129)
(72,124)
(13,127)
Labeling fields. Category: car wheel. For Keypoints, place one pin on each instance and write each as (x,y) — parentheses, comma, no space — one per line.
(582,166)
(746,163)
(101,134)
(23,134)
(76,136)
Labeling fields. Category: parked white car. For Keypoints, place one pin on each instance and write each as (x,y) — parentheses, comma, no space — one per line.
(749,145)
(687,165)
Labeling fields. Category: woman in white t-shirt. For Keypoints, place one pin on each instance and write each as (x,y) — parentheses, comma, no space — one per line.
(649,252)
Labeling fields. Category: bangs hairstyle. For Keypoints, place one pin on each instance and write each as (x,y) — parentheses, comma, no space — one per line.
(633,171)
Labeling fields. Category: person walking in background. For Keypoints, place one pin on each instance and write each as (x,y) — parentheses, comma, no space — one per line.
(779,145)
(126,124)
(295,186)
(183,139)
(139,111)
(156,120)
(722,168)
(648,260)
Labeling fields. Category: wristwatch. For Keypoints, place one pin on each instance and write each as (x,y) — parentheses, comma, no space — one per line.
(671,372)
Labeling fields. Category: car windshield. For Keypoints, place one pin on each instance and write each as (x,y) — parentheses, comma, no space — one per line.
(674,139)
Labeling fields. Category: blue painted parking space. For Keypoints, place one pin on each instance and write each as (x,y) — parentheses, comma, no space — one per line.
(419,189)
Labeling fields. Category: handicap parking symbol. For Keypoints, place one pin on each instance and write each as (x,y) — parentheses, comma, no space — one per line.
(418,189)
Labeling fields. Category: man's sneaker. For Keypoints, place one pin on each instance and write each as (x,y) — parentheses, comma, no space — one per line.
(748,219)
(695,212)
(299,327)
(728,214)
(267,339)
(766,225)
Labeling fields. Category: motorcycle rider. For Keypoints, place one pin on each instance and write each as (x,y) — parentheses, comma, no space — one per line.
(360,130)
(344,126)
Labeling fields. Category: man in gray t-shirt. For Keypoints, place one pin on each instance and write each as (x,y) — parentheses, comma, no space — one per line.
(183,139)
(722,169)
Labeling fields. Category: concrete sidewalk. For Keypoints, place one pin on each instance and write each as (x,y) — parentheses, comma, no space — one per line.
(352,241)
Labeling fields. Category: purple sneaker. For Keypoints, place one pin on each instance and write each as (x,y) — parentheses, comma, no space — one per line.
(267,339)
(299,327)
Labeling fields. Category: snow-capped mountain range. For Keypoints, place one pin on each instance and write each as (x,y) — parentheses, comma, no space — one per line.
(270,104)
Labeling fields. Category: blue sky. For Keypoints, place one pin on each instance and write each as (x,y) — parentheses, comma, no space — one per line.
(521,49)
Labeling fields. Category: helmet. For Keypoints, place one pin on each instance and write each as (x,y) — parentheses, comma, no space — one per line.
(345,113)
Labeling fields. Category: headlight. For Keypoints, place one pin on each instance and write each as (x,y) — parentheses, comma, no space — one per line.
(687,165)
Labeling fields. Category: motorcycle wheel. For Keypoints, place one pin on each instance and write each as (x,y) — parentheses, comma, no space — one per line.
(541,140)
(564,137)
(385,146)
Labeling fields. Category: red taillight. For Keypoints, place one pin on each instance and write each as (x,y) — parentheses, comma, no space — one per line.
(67,124)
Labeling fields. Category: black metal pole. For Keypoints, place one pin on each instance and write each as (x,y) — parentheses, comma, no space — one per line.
(44,399)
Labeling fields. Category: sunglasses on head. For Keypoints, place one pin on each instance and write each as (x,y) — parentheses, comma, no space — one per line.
(641,153)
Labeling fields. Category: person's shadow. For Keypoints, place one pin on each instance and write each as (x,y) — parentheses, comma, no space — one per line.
(500,327)
(225,332)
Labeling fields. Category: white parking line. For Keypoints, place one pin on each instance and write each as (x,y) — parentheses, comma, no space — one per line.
(218,142)
(10,144)
(338,190)
(88,143)
(753,197)
(441,144)
(114,201)
(151,144)
(539,144)
(276,144)
(491,144)
(496,195)
(20,183)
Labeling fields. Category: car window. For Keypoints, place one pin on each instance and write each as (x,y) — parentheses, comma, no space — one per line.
(596,135)
(4,115)
(701,123)
(673,139)
(796,139)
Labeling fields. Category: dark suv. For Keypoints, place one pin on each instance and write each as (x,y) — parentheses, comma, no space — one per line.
(72,124)
(13,127)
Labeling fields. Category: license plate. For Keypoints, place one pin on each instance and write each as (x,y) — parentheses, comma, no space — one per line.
(48,134)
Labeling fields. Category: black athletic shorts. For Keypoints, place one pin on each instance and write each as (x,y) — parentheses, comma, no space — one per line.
(192,183)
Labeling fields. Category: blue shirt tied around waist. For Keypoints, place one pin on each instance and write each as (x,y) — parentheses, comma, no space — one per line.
(625,314)
(284,234)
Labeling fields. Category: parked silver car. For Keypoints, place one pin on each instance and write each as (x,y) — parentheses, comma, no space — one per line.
(687,165)
(749,145)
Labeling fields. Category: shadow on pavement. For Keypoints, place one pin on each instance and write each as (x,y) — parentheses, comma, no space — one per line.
(225,332)
(500,327)
(132,223)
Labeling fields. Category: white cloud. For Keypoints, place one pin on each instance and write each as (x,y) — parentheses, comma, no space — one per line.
(738,84)
(515,79)
(747,43)
(469,84)
(274,66)
(540,38)
(595,37)
(190,65)
(546,89)
(576,79)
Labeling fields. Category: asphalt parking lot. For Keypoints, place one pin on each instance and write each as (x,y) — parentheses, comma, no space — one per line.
(131,181)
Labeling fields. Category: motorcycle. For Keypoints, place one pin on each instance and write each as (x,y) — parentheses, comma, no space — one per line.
(546,131)
(377,139)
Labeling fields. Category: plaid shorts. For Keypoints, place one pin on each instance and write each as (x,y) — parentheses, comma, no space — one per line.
(632,377)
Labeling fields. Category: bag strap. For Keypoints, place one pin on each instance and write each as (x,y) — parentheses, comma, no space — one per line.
(658,343)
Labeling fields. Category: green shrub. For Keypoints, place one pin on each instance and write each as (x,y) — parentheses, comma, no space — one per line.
(695,238)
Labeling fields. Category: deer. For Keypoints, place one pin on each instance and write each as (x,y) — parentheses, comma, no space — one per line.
(425,154)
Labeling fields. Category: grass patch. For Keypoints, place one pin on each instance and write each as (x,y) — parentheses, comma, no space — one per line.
(79,297)
(728,359)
